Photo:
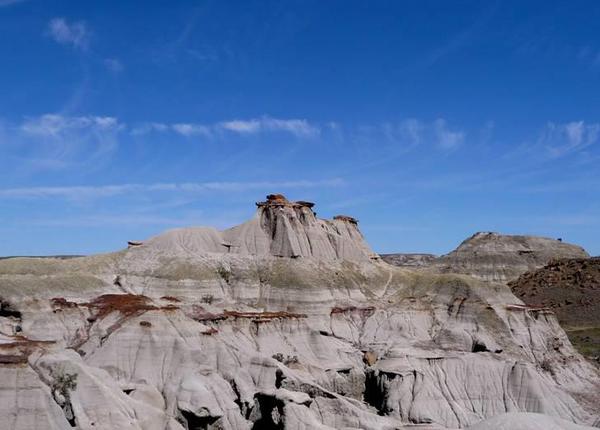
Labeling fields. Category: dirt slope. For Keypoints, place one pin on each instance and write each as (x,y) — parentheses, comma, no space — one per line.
(570,287)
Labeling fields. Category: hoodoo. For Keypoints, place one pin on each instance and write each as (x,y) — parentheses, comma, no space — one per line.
(280,228)
(283,322)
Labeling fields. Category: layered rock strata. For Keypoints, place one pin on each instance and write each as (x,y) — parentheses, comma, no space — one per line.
(284,322)
(493,257)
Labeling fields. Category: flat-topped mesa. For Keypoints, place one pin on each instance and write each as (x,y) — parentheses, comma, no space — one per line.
(498,257)
(494,244)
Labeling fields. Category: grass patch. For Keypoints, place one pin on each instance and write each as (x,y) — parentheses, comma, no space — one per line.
(585,339)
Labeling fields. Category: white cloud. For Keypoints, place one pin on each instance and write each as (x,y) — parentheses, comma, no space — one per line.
(447,138)
(4,3)
(82,192)
(75,34)
(239,126)
(412,129)
(135,219)
(407,134)
(189,130)
(562,139)
(53,125)
(113,64)
(149,127)
(298,127)
(54,141)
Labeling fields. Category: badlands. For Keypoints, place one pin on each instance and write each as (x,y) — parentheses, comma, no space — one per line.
(287,322)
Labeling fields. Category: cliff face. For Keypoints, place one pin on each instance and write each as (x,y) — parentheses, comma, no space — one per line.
(283,322)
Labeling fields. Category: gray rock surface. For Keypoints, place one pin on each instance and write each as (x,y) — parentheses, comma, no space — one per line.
(409,259)
(493,257)
(286,321)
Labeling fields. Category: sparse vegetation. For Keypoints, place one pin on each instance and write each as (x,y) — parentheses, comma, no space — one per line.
(8,310)
(587,341)
(61,302)
(208,299)
(287,360)
(200,314)
(62,386)
(546,365)
(224,273)
(64,383)
(367,311)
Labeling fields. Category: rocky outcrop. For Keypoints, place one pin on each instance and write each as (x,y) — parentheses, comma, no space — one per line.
(284,322)
(497,257)
(409,260)
(279,228)
(571,288)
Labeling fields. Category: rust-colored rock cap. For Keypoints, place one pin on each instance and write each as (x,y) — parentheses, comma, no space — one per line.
(346,218)
(275,200)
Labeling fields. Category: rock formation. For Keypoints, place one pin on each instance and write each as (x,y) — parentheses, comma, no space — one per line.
(495,257)
(284,322)
(280,228)
(409,259)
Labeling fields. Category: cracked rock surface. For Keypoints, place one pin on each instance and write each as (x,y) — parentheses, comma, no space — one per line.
(284,322)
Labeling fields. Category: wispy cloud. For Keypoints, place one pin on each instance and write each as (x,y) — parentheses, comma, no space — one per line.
(87,192)
(409,133)
(562,139)
(239,126)
(131,219)
(447,139)
(57,141)
(185,129)
(53,125)
(149,127)
(75,34)
(54,141)
(4,3)
(113,64)
(412,130)
(298,127)
(188,130)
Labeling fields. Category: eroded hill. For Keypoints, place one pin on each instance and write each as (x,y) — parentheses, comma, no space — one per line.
(287,321)
(493,257)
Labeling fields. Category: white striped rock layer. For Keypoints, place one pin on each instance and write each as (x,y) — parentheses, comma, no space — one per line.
(284,322)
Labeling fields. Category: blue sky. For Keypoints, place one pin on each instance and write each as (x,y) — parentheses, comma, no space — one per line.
(425,120)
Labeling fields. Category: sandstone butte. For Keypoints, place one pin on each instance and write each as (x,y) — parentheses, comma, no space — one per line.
(287,321)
